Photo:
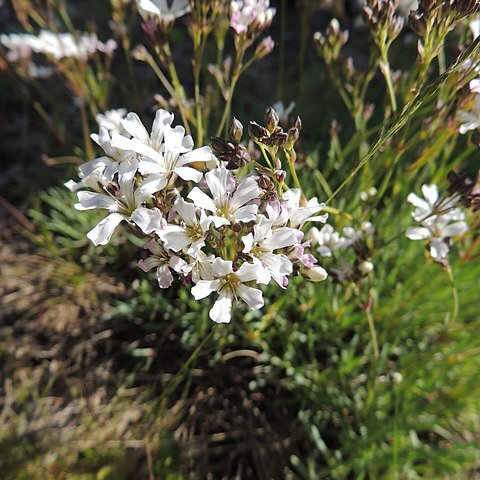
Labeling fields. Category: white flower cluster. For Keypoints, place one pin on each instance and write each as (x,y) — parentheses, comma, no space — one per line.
(55,45)
(439,220)
(253,15)
(327,240)
(225,235)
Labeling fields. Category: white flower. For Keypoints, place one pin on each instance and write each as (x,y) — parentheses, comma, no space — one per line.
(111,120)
(165,261)
(470,120)
(230,286)
(437,230)
(126,205)
(432,204)
(166,152)
(98,173)
(351,235)
(229,202)
(260,245)
(248,14)
(191,233)
(326,240)
(160,10)
(435,215)
(299,215)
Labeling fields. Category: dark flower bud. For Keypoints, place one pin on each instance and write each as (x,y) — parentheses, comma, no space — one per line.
(235,131)
(280,176)
(417,22)
(257,132)
(265,183)
(279,139)
(271,119)
(218,144)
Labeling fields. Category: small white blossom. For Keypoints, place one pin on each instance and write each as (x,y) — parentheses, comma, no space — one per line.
(111,120)
(326,240)
(125,205)
(230,203)
(164,261)
(190,233)
(230,286)
(470,120)
(300,214)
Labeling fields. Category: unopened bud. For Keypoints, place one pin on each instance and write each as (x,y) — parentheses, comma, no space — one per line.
(265,183)
(365,267)
(236,130)
(298,124)
(315,274)
(293,136)
(264,48)
(280,176)
(397,378)
(271,119)
(257,132)
(218,144)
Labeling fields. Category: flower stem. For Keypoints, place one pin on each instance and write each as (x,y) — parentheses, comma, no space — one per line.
(454,293)
(373,333)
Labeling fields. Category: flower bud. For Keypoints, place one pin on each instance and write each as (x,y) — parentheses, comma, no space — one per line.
(236,130)
(218,144)
(257,132)
(280,176)
(264,48)
(315,274)
(365,267)
(265,183)
(271,119)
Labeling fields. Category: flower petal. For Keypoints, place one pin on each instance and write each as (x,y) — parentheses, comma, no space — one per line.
(102,233)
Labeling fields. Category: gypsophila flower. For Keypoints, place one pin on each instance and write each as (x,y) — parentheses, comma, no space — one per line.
(224,235)
(111,120)
(439,220)
(327,240)
(230,286)
(248,15)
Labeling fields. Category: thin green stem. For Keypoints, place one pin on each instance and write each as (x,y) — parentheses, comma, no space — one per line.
(228,104)
(373,333)
(86,130)
(455,307)
(385,68)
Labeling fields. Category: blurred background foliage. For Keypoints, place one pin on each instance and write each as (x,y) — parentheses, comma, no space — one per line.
(106,377)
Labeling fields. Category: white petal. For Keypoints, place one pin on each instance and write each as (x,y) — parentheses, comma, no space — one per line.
(247,190)
(221,312)
(188,174)
(186,210)
(102,233)
(202,200)
(418,233)
(149,220)
(418,202)
(248,242)
(455,229)
(438,249)
(221,267)
(281,238)
(91,200)
(251,296)
(217,181)
(203,154)
(247,272)
(175,238)
(203,288)
(245,214)
(430,192)
(134,126)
